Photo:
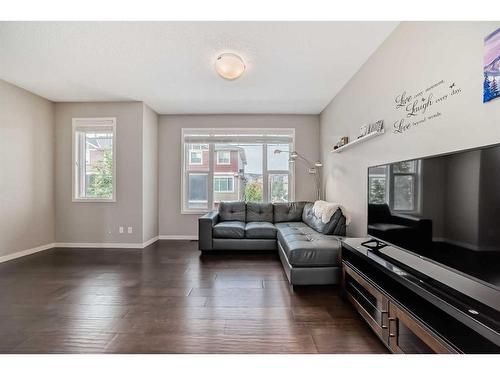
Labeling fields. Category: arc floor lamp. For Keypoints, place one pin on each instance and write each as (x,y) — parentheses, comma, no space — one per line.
(314,168)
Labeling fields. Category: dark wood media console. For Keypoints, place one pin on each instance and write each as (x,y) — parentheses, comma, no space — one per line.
(411,313)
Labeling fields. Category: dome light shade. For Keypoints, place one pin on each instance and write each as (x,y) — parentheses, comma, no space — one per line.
(229,66)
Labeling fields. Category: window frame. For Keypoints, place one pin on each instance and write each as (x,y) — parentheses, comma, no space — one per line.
(390,182)
(416,175)
(197,173)
(228,159)
(269,182)
(224,176)
(278,172)
(185,210)
(90,123)
(191,152)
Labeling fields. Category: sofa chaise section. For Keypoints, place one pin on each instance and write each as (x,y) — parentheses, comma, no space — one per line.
(308,248)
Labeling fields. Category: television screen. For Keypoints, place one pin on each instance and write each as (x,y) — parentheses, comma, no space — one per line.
(445,208)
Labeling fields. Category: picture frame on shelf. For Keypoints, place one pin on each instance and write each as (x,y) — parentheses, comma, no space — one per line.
(363,130)
(342,142)
(376,126)
(366,132)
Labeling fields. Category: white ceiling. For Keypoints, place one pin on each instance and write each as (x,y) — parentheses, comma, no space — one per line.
(292,67)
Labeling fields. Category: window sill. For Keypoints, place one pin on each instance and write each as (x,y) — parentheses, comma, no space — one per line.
(199,212)
(92,200)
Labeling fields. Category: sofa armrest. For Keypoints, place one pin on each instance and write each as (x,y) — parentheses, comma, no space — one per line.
(205,225)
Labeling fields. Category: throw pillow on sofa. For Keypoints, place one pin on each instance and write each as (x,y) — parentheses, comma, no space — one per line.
(317,224)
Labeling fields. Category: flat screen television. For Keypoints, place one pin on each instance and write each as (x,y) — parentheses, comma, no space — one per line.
(444,209)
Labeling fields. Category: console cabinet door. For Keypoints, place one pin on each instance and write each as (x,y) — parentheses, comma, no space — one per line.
(371,303)
(407,335)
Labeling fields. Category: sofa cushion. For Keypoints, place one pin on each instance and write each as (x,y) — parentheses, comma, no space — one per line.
(260,229)
(287,212)
(317,224)
(304,247)
(260,212)
(232,211)
(229,229)
(292,227)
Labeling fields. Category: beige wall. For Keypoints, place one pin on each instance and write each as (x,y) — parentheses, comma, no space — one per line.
(78,222)
(171,221)
(148,158)
(26,170)
(149,174)
(414,57)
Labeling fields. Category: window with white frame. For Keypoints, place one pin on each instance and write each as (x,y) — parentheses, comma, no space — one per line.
(397,185)
(238,165)
(405,186)
(94,159)
(223,184)
(224,157)
(196,154)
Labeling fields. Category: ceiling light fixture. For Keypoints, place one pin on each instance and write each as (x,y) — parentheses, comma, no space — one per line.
(229,66)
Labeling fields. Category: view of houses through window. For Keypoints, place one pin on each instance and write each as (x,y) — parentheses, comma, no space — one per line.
(94,162)
(235,171)
(196,154)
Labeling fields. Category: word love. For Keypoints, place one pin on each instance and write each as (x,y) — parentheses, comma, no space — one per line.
(404,124)
(412,106)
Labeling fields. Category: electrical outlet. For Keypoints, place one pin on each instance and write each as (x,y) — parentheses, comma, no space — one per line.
(129,230)
(120,230)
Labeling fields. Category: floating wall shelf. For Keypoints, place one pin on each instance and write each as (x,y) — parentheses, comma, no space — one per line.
(358,141)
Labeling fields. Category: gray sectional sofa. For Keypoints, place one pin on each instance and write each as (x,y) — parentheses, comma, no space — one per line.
(308,248)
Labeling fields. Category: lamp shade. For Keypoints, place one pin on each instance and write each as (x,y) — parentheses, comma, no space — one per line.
(229,66)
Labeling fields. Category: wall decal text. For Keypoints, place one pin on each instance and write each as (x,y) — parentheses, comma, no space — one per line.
(421,107)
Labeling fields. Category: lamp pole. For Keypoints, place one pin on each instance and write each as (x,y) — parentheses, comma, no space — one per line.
(294,155)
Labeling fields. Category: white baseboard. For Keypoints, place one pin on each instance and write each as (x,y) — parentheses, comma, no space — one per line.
(94,245)
(151,241)
(107,245)
(26,252)
(104,245)
(177,237)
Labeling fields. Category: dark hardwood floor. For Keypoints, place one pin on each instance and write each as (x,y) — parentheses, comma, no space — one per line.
(169,299)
